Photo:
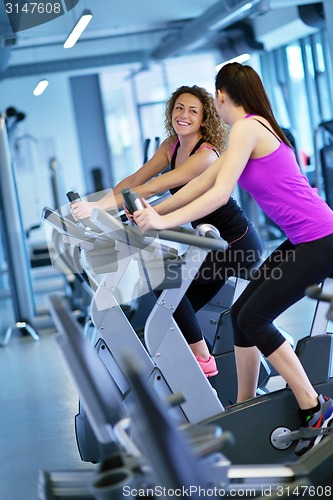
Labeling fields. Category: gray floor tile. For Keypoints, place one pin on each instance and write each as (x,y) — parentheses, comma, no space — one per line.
(38,402)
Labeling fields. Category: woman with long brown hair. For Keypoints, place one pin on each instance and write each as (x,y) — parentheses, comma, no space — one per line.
(259,157)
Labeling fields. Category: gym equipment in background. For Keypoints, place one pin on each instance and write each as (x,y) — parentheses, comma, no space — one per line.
(15,247)
(324,160)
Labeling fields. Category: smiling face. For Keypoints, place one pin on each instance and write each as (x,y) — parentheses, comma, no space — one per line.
(187,115)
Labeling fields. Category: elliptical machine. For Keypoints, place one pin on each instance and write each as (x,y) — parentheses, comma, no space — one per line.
(163,457)
(261,424)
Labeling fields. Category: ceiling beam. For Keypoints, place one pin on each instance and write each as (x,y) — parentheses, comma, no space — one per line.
(218,16)
(43,68)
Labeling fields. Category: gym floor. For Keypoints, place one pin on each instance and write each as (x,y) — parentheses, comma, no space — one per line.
(39,401)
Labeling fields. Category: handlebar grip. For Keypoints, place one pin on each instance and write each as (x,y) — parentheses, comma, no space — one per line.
(132,200)
(73,196)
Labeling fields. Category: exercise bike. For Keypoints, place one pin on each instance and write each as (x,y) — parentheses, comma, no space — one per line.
(162,458)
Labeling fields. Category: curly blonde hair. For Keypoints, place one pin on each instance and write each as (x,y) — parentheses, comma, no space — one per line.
(213,130)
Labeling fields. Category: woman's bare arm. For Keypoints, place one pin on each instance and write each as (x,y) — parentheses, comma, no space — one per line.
(113,199)
(242,142)
(151,183)
(195,188)
(191,168)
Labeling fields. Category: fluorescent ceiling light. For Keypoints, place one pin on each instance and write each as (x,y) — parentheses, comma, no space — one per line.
(40,87)
(78,29)
(240,59)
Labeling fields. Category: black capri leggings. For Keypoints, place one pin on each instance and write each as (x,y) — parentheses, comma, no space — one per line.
(212,275)
(278,284)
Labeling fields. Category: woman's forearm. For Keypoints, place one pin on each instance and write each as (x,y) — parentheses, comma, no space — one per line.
(199,207)
(114,197)
(190,192)
(179,199)
(205,204)
(108,202)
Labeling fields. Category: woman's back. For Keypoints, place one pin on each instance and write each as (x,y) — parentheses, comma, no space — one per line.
(278,186)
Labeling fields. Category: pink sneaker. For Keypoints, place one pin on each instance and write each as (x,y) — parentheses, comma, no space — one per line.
(209,366)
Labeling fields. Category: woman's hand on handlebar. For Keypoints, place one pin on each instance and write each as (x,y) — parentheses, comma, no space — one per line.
(148,218)
(82,209)
(128,214)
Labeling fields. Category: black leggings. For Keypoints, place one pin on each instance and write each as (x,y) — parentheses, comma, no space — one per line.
(212,275)
(278,284)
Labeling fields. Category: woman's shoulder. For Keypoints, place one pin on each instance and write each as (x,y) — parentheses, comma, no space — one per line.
(166,148)
(247,131)
(169,145)
(208,146)
(255,121)
(170,141)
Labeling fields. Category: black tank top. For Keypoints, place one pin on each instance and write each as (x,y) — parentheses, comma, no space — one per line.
(229,219)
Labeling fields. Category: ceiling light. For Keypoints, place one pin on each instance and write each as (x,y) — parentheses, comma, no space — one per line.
(40,87)
(78,29)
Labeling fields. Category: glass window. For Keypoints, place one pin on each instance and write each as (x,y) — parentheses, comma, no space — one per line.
(150,85)
(299,79)
(275,88)
(134,103)
(328,60)
(175,72)
(322,78)
(152,123)
(299,98)
(121,120)
(192,70)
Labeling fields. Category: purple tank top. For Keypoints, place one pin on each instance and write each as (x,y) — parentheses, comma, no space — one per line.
(277,184)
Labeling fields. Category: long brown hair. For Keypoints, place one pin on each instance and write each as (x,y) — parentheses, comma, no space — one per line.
(244,87)
(213,131)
